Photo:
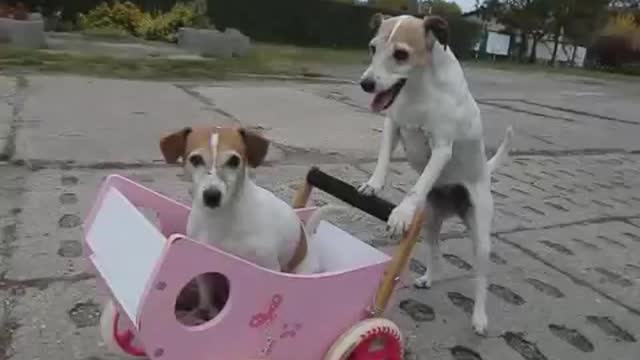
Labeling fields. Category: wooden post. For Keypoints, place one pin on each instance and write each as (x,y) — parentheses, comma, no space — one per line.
(398,263)
(302,195)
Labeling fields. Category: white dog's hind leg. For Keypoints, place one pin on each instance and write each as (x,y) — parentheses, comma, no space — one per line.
(320,214)
(313,263)
(390,137)
(478,221)
(432,227)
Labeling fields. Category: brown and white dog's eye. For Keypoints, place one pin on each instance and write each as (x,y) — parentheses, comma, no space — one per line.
(400,55)
(233,162)
(196,160)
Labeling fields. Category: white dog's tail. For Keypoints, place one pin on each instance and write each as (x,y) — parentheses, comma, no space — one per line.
(503,151)
(315,263)
(320,214)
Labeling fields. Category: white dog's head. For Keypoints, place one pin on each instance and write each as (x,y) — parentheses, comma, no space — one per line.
(401,44)
(216,159)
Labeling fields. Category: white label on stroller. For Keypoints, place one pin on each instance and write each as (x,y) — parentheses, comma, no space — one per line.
(126,248)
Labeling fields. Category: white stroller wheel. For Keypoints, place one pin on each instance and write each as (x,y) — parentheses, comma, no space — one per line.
(371,339)
(118,339)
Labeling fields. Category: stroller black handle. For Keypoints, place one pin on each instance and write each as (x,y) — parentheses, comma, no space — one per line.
(372,205)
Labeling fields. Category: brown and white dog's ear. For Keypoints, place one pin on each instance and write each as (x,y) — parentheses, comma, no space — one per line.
(376,20)
(439,28)
(173,146)
(256,147)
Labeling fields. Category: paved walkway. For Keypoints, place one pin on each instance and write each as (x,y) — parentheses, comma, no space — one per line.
(566,262)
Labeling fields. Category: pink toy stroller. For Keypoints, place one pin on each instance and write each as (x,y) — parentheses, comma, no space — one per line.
(265,315)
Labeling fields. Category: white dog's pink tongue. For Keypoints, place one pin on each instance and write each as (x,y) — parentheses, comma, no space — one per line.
(381,100)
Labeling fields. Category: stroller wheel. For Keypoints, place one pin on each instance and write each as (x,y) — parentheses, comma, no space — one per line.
(372,339)
(117,335)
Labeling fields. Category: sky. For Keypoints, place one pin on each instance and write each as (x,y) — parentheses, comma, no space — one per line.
(466,5)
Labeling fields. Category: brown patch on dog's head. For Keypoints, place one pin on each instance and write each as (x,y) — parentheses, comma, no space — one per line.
(173,146)
(249,145)
(400,45)
(439,28)
(215,160)
(414,35)
(377,19)
(256,147)
(405,33)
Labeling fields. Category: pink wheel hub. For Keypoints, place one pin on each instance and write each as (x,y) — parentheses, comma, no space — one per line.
(125,339)
(378,344)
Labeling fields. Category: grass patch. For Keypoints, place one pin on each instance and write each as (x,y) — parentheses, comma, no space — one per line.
(106,34)
(263,59)
(562,70)
(307,55)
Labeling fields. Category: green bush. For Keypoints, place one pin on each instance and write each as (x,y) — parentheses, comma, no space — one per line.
(164,26)
(130,18)
(125,16)
(72,8)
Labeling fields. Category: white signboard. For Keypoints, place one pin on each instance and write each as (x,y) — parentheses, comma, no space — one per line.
(498,44)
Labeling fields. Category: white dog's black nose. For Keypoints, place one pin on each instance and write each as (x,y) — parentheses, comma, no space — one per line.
(368,85)
(211,198)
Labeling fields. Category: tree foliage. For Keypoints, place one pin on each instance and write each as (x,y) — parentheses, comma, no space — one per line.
(576,19)
(397,5)
(441,7)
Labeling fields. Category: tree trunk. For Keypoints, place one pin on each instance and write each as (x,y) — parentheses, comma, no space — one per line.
(556,42)
(523,46)
(574,54)
(533,55)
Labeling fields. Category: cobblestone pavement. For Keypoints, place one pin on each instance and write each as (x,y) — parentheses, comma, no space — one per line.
(565,281)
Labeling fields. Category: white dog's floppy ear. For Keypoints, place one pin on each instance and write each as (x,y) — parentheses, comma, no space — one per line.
(174,145)
(256,147)
(439,27)
(376,20)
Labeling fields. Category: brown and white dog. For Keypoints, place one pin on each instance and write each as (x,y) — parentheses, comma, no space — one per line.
(230,211)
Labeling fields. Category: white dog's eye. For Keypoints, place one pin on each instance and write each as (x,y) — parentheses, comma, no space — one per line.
(372,49)
(401,55)
(233,162)
(196,160)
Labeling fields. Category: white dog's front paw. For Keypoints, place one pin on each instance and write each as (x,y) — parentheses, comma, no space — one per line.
(401,217)
(371,187)
(480,322)
(423,282)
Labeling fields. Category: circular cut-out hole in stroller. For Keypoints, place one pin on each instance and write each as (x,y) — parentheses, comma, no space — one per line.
(188,310)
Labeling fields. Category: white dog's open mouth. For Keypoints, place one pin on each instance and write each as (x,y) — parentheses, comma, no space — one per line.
(384,99)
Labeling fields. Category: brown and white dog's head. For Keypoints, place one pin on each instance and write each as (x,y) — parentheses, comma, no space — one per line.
(216,159)
(401,44)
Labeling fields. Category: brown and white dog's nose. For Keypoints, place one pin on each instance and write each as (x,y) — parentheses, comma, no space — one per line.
(211,197)
(368,85)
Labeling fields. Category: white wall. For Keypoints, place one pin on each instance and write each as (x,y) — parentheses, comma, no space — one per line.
(544,51)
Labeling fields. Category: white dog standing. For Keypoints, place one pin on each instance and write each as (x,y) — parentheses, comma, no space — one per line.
(415,75)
